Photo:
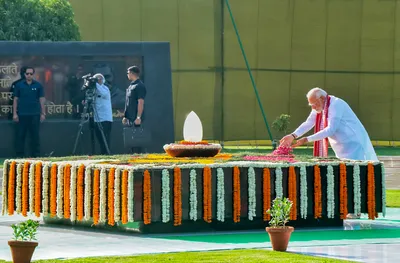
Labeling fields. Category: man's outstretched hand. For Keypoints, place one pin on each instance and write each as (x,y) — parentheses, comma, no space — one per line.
(300,142)
(287,140)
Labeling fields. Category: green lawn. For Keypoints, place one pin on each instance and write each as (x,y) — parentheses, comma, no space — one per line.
(393,198)
(240,256)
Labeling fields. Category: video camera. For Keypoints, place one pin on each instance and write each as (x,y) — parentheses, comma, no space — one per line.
(89,86)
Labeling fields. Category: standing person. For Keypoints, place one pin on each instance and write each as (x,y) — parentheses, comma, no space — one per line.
(134,103)
(28,112)
(103,113)
(22,77)
(334,122)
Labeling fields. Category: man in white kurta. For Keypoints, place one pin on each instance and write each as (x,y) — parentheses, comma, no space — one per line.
(346,134)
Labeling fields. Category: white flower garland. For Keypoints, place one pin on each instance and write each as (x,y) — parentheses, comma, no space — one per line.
(165,196)
(330,192)
(60,191)
(278,182)
(32,188)
(103,194)
(45,189)
(252,193)
(383,191)
(72,193)
(131,196)
(4,192)
(220,195)
(357,189)
(193,195)
(18,189)
(88,192)
(303,192)
(117,195)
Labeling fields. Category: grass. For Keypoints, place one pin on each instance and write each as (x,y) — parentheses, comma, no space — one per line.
(393,198)
(242,256)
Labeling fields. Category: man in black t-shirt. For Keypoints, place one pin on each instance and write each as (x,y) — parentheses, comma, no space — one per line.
(134,104)
(12,88)
(28,112)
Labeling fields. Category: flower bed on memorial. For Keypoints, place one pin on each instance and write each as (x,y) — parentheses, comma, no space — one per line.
(127,188)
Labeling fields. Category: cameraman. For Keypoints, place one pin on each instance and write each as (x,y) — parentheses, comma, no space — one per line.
(102,113)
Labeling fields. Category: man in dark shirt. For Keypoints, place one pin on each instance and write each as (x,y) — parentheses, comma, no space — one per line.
(134,104)
(28,112)
(22,77)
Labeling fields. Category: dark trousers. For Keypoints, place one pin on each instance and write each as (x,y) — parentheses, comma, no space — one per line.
(28,124)
(106,125)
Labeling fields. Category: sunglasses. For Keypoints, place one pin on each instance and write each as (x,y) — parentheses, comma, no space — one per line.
(28,73)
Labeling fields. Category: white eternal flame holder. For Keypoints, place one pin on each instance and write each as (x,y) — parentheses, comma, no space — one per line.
(193,144)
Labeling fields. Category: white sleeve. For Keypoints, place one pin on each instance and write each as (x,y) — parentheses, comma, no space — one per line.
(334,117)
(307,125)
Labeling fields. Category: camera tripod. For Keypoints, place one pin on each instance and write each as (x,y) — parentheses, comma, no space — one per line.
(88,112)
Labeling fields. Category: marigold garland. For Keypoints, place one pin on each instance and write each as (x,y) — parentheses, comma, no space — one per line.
(266,193)
(67,186)
(177,197)
(317,193)
(53,190)
(110,196)
(293,193)
(343,191)
(25,189)
(371,192)
(207,198)
(96,196)
(146,197)
(236,194)
(124,193)
(11,188)
(38,190)
(79,192)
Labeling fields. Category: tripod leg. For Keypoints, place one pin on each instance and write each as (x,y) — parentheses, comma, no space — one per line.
(100,127)
(77,138)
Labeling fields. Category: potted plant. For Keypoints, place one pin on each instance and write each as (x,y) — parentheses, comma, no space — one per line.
(281,125)
(22,247)
(279,233)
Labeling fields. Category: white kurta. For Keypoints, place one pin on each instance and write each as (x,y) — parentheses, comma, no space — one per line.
(347,136)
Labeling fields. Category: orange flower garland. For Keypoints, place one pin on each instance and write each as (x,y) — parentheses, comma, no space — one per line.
(266,193)
(25,189)
(67,185)
(317,193)
(371,192)
(96,196)
(38,190)
(11,188)
(236,194)
(124,183)
(177,197)
(343,191)
(146,198)
(53,190)
(111,178)
(79,193)
(207,197)
(293,193)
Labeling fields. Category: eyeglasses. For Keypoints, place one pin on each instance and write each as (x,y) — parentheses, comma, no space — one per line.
(28,73)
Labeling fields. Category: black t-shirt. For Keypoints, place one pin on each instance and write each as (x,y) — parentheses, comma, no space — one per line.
(134,92)
(28,97)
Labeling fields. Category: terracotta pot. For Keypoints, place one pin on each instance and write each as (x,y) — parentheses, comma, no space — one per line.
(22,251)
(279,237)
